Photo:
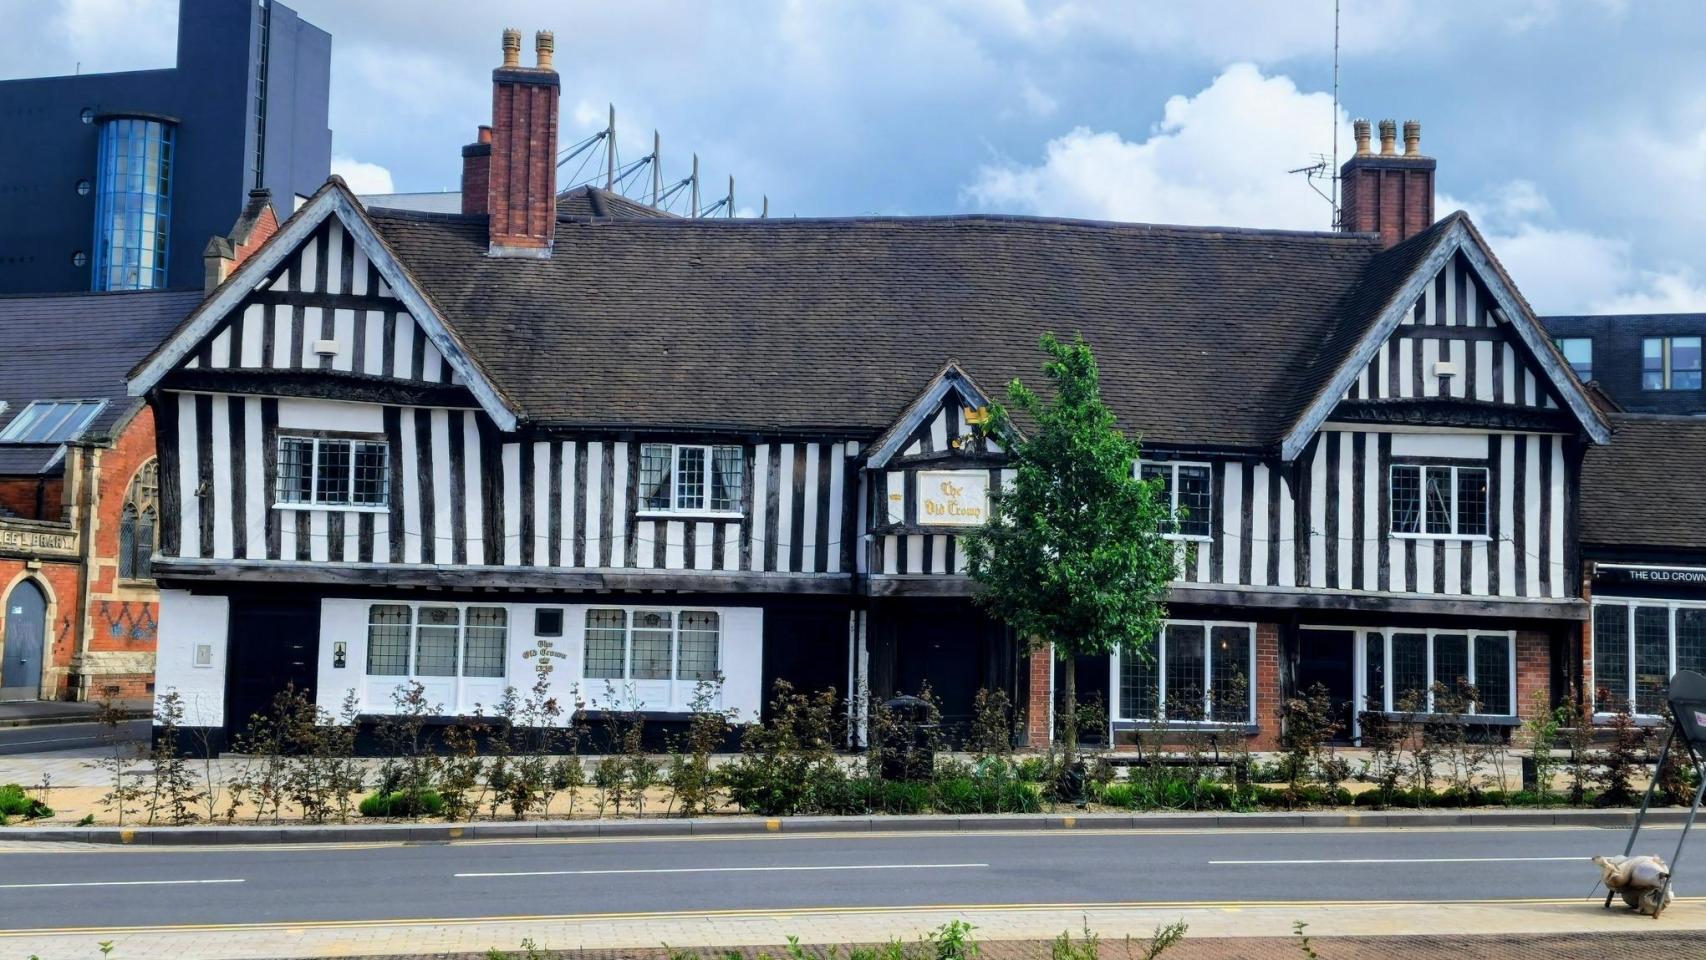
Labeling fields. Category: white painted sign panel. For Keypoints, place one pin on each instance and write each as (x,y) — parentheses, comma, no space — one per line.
(953,498)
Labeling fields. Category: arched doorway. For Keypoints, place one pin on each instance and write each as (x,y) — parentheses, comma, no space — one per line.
(25,640)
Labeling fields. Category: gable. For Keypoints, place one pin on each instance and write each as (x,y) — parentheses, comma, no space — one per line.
(1453,323)
(324,307)
(935,422)
(302,287)
(1450,286)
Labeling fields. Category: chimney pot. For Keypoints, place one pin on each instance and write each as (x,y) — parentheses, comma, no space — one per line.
(1412,138)
(512,47)
(1388,138)
(544,45)
(1359,129)
(485,134)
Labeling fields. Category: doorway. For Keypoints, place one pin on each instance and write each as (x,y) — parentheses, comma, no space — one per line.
(26,635)
(273,644)
(1328,658)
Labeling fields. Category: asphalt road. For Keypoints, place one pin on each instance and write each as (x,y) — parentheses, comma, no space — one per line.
(132,886)
(57,737)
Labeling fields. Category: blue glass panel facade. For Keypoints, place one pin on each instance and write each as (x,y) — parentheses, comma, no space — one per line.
(133,205)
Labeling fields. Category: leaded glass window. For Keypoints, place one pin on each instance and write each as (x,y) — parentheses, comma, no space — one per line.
(1451,661)
(700,638)
(1493,674)
(654,635)
(388,640)
(333,472)
(606,644)
(1439,500)
(691,479)
(1231,677)
(1652,658)
(487,635)
(645,644)
(1610,656)
(137,522)
(1409,671)
(1188,491)
(1193,671)
(436,633)
(1691,639)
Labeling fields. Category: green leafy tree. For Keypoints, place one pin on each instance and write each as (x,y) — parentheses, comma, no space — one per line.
(1074,554)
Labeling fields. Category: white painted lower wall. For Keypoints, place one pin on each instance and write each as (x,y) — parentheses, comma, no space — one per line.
(190,657)
(345,622)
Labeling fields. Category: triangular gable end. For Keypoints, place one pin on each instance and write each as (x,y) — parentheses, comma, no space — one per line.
(932,419)
(1457,283)
(331,218)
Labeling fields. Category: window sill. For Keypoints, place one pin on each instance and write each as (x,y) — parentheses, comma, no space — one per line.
(689,514)
(332,507)
(1186,726)
(1481,719)
(1445,537)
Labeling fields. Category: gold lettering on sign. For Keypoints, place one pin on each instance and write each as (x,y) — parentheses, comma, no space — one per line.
(953,497)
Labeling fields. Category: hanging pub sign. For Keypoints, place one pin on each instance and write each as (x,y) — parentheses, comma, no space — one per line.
(953,498)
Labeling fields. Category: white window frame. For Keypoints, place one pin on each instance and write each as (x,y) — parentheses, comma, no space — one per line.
(681,691)
(1630,603)
(314,502)
(1118,711)
(414,641)
(1360,666)
(674,509)
(27,420)
(1422,506)
(1172,467)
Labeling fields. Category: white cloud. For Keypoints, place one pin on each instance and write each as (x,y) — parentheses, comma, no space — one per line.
(1220,157)
(363,178)
(1563,269)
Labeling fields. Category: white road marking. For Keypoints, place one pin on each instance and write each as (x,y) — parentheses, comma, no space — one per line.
(862,866)
(111,883)
(1252,863)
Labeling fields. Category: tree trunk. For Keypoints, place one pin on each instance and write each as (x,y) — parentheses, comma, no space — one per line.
(1069,690)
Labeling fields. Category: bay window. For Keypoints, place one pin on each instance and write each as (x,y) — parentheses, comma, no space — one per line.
(1195,671)
(1187,489)
(335,472)
(1638,645)
(1439,500)
(683,478)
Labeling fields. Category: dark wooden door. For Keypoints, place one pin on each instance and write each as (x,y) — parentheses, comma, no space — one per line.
(26,635)
(1328,658)
(273,644)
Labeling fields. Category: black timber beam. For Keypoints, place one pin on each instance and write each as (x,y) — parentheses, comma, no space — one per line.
(500,578)
(321,385)
(1370,603)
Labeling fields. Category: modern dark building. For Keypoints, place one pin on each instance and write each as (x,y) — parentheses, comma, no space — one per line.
(117,180)
(1645,362)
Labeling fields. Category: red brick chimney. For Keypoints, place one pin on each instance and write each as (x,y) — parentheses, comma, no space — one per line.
(522,169)
(1388,193)
(477,171)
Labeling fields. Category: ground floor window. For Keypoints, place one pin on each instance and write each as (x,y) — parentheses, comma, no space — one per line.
(436,640)
(671,645)
(1196,671)
(1638,645)
(1405,670)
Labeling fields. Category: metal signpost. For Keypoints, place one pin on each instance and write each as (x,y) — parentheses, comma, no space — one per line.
(1688,725)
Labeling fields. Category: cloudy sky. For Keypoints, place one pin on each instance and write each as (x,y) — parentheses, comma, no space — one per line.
(1574,131)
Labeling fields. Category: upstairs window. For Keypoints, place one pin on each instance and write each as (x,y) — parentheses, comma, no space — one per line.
(333,472)
(1188,491)
(51,421)
(1431,500)
(678,478)
(1670,363)
(1579,352)
(138,523)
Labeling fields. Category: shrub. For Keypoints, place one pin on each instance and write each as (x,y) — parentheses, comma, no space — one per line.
(1119,795)
(959,795)
(14,802)
(783,757)
(901,797)
(403,803)
(1619,763)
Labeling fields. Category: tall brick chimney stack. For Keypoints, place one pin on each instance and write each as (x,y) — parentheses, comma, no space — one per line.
(521,189)
(1388,193)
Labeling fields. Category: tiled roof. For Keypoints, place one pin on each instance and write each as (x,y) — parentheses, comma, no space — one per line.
(79,347)
(1204,336)
(1644,488)
(588,202)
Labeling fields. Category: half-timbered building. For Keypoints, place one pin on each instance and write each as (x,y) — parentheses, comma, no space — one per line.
(402,445)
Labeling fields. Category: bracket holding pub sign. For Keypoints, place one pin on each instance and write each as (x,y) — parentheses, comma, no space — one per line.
(953,498)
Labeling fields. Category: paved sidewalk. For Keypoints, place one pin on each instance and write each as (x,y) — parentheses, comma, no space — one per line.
(1548,929)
